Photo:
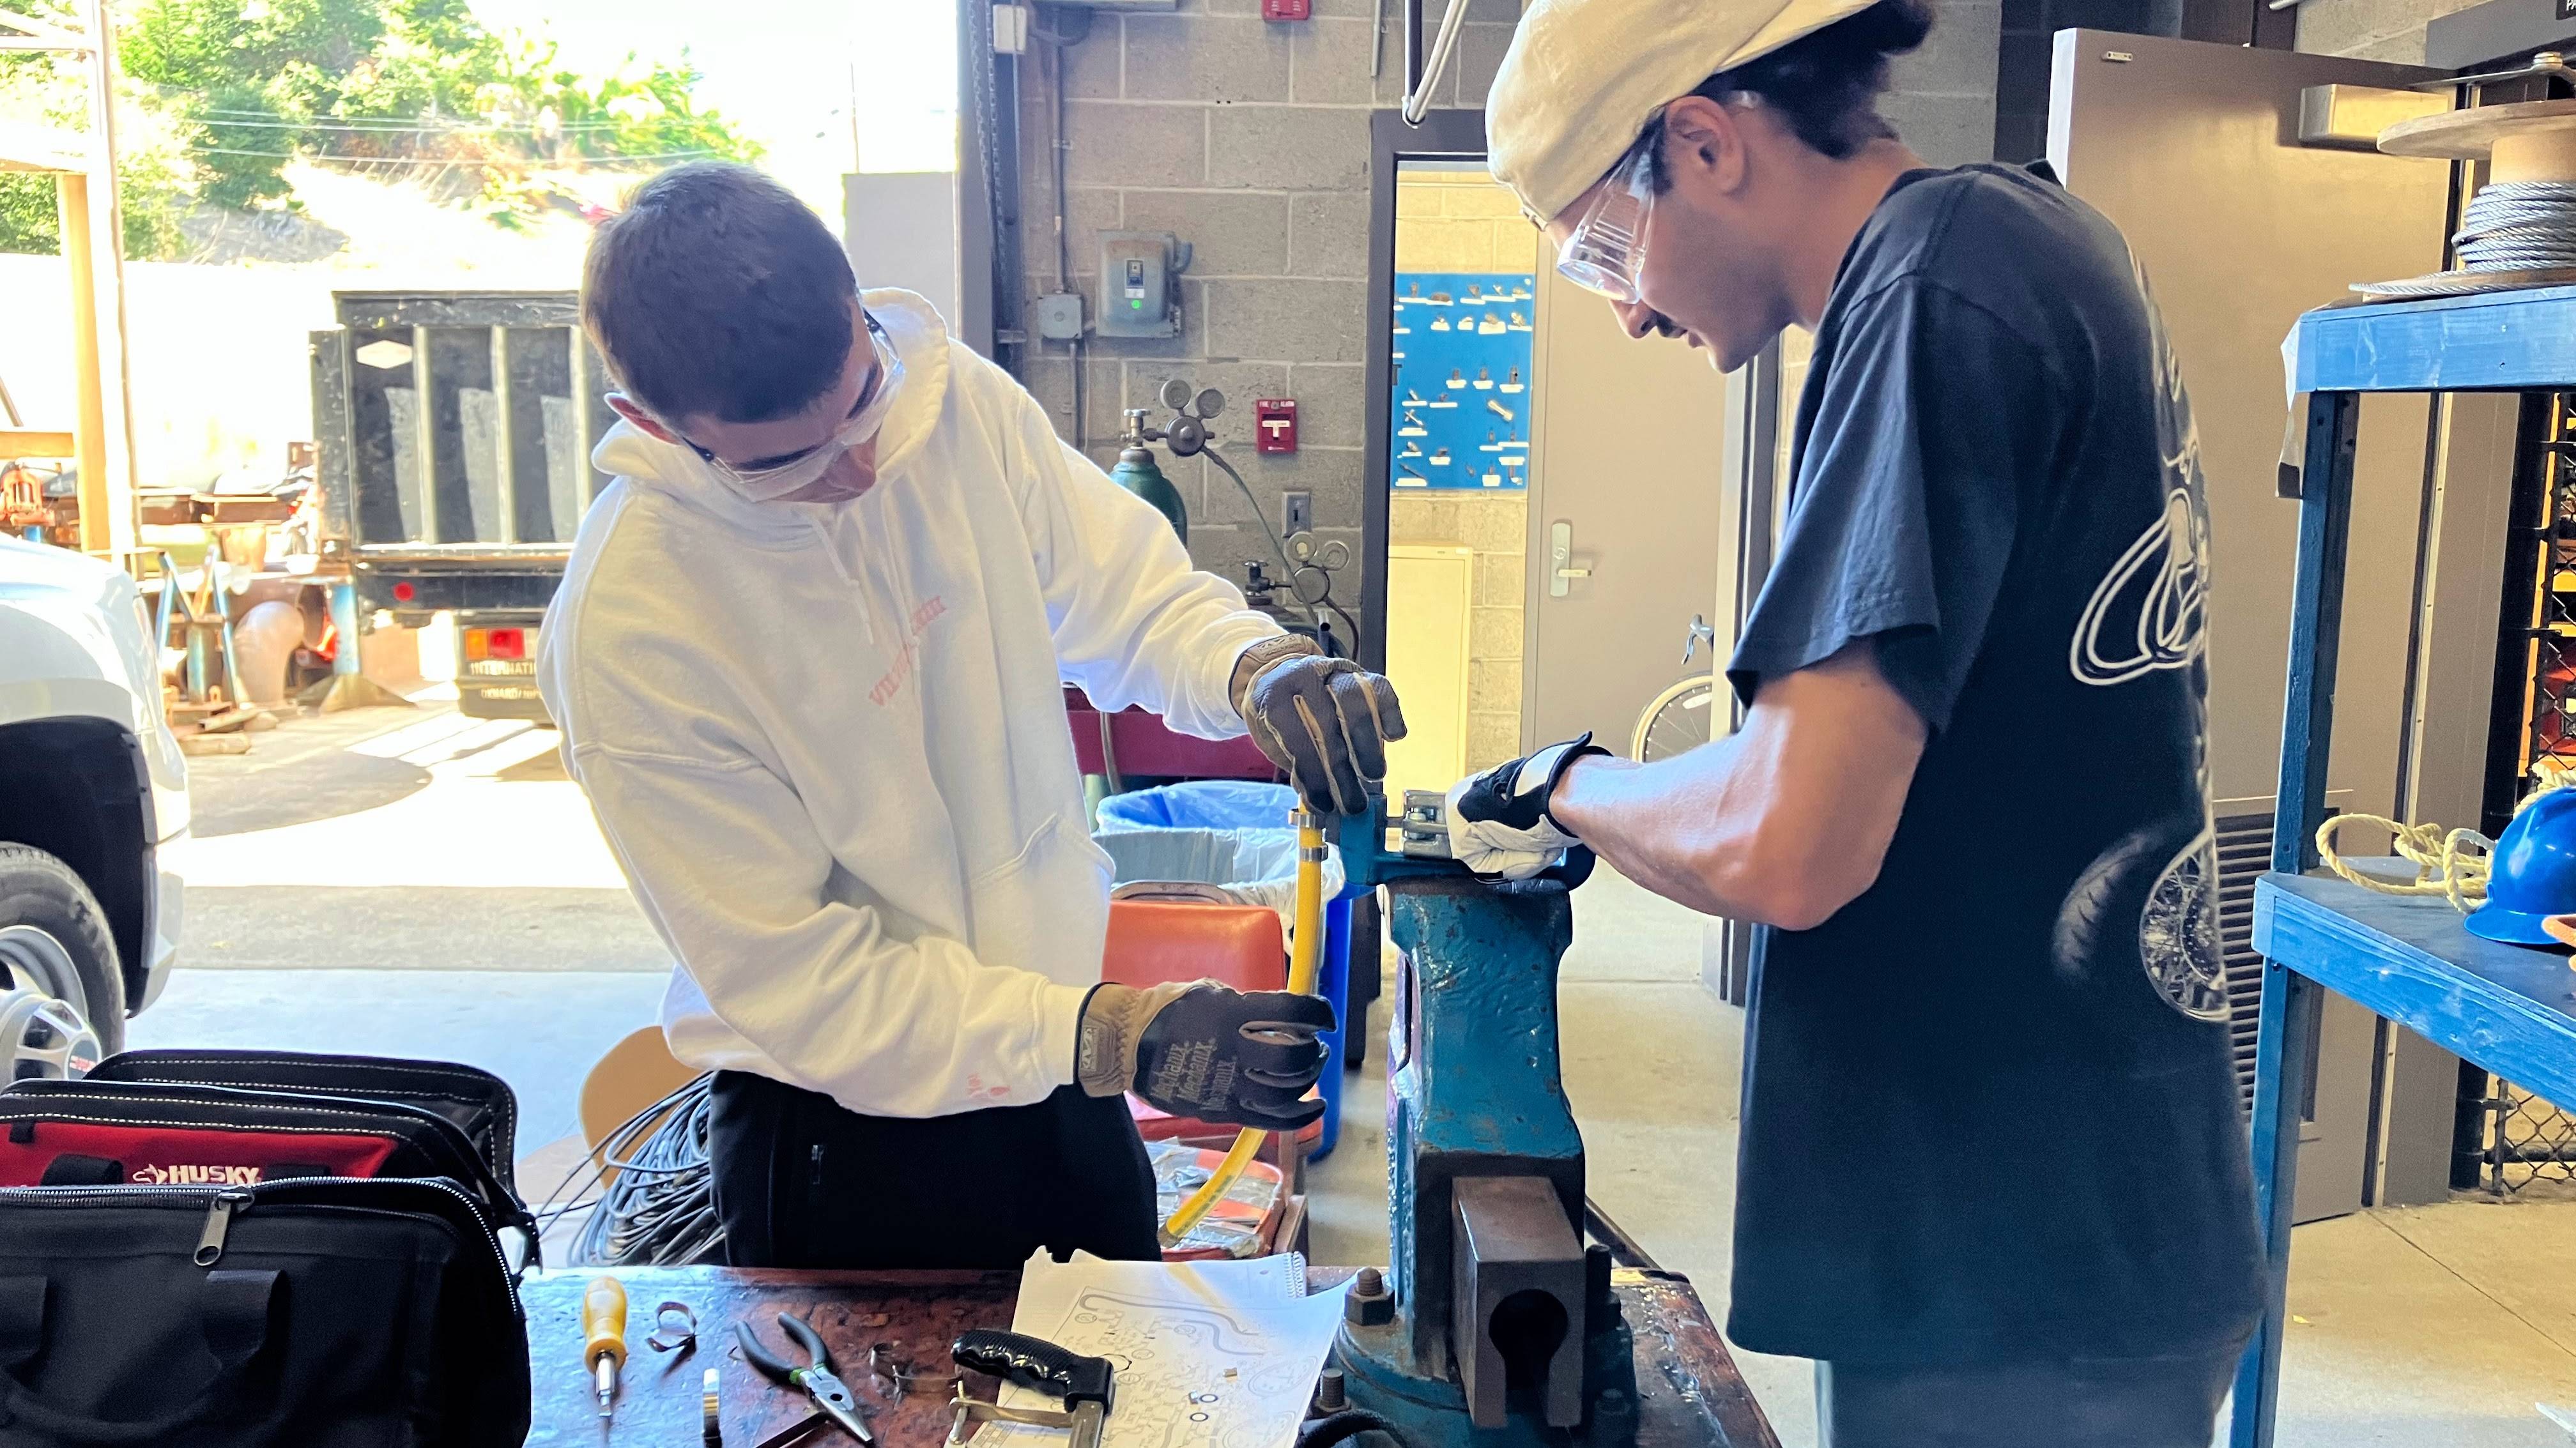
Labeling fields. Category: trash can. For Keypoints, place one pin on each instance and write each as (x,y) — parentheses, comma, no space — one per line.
(1234,835)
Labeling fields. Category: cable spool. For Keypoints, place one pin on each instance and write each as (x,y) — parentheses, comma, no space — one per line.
(2519,230)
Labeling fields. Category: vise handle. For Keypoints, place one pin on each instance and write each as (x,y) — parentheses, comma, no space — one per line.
(1033,1362)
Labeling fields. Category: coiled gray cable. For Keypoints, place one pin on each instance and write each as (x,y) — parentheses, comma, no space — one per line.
(2519,226)
(659,1209)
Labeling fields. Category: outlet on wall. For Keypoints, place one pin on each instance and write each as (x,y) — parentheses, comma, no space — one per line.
(1296,512)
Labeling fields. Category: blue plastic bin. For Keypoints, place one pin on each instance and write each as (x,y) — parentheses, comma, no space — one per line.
(1230,818)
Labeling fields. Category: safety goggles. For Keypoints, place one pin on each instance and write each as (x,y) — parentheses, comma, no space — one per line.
(776,478)
(1606,251)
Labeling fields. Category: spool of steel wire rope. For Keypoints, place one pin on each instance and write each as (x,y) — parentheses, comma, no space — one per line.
(2519,229)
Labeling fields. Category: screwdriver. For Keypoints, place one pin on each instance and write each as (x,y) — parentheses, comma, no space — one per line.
(603,1330)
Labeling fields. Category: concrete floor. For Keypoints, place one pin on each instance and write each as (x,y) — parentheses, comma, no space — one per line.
(422,884)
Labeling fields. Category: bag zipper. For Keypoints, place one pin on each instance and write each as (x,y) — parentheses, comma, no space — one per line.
(219,1220)
(243,1197)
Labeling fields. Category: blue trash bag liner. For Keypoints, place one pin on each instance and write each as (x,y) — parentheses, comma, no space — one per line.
(1201,804)
(1252,867)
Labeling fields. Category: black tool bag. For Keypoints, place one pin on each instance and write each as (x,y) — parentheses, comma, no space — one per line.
(316,1312)
(479,1103)
(217,1117)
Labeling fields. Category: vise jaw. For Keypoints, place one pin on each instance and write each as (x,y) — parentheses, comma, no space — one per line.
(1501,1320)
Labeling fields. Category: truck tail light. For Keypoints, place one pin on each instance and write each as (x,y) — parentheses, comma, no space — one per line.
(495,643)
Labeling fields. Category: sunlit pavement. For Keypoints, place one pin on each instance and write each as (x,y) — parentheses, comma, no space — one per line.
(408,883)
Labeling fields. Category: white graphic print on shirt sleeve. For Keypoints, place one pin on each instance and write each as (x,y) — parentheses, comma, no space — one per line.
(2158,885)
(2148,613)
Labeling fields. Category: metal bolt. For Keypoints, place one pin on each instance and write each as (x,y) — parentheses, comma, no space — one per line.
(1329,1397)
(1368,1304)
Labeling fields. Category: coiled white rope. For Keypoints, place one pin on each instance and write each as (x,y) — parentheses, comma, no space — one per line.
(2453,864)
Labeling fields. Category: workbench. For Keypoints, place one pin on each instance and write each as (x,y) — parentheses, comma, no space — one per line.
(1690,1393)
(2503,1008)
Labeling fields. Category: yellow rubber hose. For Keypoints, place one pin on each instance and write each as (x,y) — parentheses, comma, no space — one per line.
(1305,953)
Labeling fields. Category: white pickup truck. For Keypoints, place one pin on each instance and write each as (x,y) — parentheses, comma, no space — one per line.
(92,789)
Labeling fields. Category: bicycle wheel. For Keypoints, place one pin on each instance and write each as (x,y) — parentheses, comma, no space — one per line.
(1677,722)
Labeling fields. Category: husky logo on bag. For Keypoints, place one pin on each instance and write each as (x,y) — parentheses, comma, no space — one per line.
(192,1175)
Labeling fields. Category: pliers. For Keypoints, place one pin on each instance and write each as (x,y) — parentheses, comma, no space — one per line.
(816,1379)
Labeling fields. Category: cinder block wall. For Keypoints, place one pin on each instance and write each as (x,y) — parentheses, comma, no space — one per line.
(1250,140)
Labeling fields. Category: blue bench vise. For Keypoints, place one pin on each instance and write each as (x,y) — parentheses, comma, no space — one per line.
(1494,1326)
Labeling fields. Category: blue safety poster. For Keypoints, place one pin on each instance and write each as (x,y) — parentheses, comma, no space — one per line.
(1461,364)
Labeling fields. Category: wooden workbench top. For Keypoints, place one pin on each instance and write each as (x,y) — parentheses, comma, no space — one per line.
(1690,1393)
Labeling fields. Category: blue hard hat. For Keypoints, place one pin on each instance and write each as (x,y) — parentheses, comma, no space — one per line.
(2533,875)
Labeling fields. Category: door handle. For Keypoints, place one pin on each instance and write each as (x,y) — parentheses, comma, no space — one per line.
(1560,559)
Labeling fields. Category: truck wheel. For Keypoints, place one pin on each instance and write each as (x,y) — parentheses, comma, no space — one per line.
(62,994)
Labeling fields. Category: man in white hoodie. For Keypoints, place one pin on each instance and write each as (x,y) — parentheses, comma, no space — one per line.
(806,661)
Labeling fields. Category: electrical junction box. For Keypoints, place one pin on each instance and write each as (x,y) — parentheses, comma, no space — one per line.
(1060,317)
(1139,287)
(1287,9)
(1011,29)
(1274,425)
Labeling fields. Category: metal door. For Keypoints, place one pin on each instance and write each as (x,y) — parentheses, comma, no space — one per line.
(1627,484)
(2193,150)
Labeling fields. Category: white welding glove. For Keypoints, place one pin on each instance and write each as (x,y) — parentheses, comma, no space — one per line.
(1499,826)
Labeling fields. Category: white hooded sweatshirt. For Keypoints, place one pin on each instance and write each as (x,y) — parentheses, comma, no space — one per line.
(828,745)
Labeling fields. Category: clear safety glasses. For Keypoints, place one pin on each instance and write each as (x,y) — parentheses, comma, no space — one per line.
(776,479)
(1606,251)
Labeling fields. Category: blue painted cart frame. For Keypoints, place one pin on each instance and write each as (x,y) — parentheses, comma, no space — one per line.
(2508,1010)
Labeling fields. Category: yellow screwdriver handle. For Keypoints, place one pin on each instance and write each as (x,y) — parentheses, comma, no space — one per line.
(603,1322)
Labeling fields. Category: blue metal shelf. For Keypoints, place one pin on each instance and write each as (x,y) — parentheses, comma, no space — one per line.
(2506,1008)
(2503,1008)
(2495,342)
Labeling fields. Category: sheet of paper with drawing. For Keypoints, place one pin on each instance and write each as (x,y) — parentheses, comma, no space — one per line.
(1216,1353)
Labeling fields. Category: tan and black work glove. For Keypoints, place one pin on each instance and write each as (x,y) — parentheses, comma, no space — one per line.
(1325,721)
(1206,1051)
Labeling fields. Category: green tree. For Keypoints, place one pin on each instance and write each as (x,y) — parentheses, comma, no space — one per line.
(262,81)
(250,85)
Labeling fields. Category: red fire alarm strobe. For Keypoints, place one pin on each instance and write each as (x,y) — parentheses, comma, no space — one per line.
(1274,424)
(1287,9)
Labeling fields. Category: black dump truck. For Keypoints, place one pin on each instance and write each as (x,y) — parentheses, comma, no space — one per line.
(455,431)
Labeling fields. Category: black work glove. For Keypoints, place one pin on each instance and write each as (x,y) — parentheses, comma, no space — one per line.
(1325,721)
(1206,1051)
(1499,826)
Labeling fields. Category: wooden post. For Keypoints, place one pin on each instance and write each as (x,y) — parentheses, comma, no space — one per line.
(104,251)
(89,417)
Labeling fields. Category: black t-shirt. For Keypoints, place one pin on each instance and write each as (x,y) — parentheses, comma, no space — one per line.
(1989,1111)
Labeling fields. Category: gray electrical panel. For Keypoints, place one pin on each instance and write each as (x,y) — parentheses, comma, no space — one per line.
(1139,284)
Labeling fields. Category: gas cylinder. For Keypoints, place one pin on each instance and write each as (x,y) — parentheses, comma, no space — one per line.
(1138,474)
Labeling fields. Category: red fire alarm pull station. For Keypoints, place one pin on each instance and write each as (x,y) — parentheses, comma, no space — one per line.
(1287,9)
(1274,424)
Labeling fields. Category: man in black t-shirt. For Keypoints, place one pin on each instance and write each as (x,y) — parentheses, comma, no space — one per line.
(1993,1175)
